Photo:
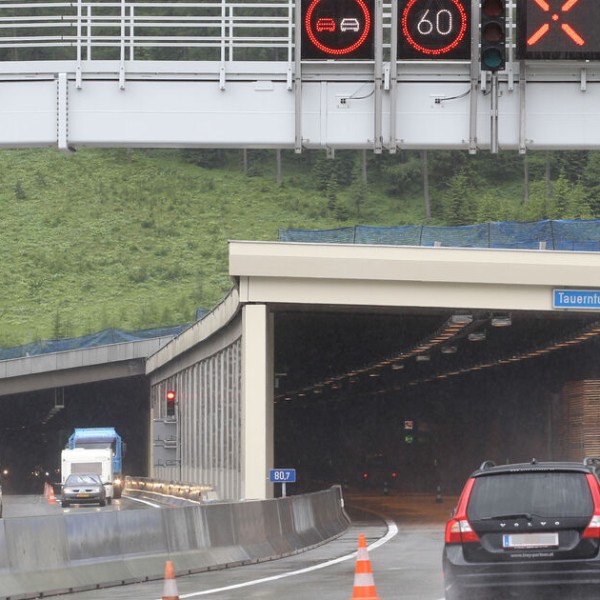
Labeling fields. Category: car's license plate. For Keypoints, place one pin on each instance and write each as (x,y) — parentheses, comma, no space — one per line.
(530,540)
(83,495)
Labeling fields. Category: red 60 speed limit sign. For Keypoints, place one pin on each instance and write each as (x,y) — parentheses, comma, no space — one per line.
(434,29)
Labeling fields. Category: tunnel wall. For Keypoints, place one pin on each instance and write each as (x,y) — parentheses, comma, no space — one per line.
(74,552)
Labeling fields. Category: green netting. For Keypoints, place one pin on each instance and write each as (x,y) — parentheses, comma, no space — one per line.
(582,236)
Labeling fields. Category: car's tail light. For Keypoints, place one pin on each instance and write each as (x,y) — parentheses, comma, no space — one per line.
(458,529)
(593,528)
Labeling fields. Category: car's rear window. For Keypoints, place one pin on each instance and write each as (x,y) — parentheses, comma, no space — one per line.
(546,494)
(82,480)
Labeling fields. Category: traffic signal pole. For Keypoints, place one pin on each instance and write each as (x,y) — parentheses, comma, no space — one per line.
(494,114)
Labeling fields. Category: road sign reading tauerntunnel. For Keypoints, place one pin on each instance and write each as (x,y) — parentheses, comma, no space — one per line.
(558,29)
(577,299)
(340,29)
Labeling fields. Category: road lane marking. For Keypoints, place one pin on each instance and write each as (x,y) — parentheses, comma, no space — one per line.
(392,532)
(154,505)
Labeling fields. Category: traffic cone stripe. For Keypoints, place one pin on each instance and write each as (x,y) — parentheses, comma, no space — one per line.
(170,587)
(363,567)
(362,554)
(364,580)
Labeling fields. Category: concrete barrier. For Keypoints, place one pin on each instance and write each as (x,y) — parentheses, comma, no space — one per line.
(75,552)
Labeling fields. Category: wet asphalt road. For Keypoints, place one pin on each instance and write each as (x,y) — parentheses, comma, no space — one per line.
(406,565)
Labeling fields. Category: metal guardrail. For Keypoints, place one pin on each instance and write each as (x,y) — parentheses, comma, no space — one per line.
(146,30)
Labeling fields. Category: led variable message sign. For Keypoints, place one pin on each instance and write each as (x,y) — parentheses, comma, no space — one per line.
(558,29)
(434,29)
(340,29)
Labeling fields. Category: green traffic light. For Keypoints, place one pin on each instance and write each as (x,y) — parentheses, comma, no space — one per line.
(492,58)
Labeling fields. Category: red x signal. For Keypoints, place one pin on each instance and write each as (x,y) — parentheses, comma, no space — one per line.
(545,28)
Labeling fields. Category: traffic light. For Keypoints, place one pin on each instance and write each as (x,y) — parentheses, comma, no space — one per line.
(171,403)
(493,35)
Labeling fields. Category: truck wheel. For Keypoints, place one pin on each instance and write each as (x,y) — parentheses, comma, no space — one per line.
(102,502)
(65,504)
(109,501)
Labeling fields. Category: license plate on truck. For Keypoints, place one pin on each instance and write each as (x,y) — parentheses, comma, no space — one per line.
(530,540)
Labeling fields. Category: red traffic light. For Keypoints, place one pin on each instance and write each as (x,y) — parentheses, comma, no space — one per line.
(492,8)
(170,403)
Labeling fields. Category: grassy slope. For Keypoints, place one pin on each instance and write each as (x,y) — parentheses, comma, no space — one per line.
(105,238)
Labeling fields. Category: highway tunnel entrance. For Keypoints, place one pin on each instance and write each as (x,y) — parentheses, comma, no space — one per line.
(35,426)
(416,399)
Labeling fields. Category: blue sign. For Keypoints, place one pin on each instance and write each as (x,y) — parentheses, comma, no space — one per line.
(579,299)
(282,475)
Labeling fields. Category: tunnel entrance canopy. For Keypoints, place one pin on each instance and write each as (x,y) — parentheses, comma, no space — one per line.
(417,354)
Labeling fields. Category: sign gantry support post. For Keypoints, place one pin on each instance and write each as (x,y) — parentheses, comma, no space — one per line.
(298,79)
(474,76)
(394,78)
(378,77)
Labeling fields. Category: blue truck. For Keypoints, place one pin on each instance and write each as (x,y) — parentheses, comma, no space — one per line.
(95,438)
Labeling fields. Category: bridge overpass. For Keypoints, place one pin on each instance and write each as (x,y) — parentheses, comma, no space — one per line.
(264,75)
(72,367)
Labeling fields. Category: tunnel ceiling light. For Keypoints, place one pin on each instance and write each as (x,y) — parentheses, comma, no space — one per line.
(422,357)
(476,336)
(462,319)
(501,321)
(449,349)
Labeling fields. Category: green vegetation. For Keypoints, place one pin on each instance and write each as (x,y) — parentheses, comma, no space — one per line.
(138,238)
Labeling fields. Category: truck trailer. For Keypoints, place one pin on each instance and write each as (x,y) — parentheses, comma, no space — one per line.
(102,438)
(96,461)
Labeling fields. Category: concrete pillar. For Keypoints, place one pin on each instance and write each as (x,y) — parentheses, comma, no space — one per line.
(257,401)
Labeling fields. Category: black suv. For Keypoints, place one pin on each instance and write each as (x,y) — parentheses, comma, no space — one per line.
(525,527)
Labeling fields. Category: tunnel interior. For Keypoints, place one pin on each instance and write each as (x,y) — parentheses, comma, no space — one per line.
(368,400)
(35,427)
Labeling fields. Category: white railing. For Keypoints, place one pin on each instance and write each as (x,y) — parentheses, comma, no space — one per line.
(150,30)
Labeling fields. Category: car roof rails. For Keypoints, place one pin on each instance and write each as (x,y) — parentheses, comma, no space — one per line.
(487,464)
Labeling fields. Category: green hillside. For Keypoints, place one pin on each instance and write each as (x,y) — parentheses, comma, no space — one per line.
(137,239)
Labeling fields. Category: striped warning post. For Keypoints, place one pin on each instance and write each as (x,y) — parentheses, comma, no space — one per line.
(364,585)
(170,587)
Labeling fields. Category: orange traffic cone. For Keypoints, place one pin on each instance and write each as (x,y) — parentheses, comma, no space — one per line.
(170,588)
(49,493)
(364,585)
